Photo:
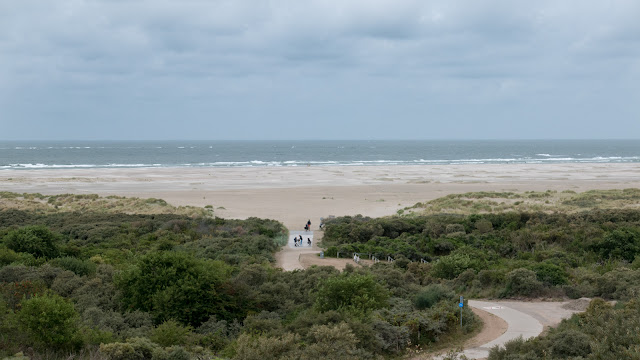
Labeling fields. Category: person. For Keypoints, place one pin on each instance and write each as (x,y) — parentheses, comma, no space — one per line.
(309,241)
(309,224)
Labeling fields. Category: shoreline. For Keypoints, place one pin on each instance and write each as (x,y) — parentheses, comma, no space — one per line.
(295,194)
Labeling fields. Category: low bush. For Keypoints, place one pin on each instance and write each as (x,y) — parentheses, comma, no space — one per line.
(431,295)
(171,333)
(80,267)
(37,240)
(523,282)
(50,321)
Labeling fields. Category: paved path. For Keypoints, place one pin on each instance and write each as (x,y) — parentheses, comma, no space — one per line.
(526,319)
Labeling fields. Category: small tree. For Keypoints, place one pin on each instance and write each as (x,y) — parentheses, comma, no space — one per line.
(172,285)
(38,241)
(49,320)
(450,266)
(358,294)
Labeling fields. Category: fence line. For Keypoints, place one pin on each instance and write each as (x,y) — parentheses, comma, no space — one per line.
(358,256)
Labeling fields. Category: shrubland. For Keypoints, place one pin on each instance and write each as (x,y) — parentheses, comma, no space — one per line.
(531,245)
(132,283)
(594,253)
(77,282)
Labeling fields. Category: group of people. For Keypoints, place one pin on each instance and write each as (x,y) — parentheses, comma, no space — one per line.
(298,241)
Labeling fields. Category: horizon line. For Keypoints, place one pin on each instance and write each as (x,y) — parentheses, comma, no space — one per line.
(303,140)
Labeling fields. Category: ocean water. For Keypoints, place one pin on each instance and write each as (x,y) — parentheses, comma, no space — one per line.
(122,154)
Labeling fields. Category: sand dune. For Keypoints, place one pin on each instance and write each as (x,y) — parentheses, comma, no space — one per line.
(295,194)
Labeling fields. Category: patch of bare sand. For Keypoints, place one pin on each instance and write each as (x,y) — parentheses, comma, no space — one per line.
(492,328)
(578,304)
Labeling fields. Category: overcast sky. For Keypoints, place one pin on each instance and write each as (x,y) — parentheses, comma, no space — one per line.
(332,69)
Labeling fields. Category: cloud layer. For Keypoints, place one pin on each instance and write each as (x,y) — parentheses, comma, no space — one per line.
(116,69)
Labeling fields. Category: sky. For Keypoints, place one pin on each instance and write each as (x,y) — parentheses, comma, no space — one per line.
(331,69)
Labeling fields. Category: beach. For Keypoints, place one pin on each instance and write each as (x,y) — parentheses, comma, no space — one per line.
(295,194)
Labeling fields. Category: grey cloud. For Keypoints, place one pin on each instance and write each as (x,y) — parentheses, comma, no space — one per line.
(349,61)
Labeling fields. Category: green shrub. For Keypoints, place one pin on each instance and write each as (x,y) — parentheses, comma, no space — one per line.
(523,282)
(353,293)
(454,228)
(119,351)
(450,266)
(8,256)
(263,322)
(570,343)
(332,342)
(391,338)
(431,295)
(49,320)
(172,353)
(621,244)
(132,349)
(171,333)
(173,285)
(80,267)
(38,241)
(252,347)
(550,274)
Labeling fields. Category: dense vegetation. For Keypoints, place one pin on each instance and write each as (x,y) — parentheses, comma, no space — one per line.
(111,285)
(81,281)
(522,245)
(586,254)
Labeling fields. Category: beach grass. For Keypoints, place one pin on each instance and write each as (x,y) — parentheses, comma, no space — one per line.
(528,201)
(95,203)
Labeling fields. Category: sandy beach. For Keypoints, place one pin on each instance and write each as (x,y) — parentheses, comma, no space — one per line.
(294,194)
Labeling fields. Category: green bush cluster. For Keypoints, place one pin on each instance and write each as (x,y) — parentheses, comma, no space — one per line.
(122,286)
(513,254)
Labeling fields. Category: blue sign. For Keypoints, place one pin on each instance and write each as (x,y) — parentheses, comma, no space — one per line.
(460,304)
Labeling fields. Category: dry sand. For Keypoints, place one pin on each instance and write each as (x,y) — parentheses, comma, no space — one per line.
(295,194)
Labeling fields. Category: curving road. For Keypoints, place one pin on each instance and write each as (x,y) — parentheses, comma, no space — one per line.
(526,319)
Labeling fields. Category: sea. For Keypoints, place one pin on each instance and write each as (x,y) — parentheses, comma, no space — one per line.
(31,155)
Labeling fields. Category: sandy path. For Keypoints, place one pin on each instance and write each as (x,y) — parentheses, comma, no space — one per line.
(493,327)
(288,258)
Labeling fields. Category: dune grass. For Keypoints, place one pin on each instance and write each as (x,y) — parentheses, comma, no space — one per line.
(529,201)
(95,203)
